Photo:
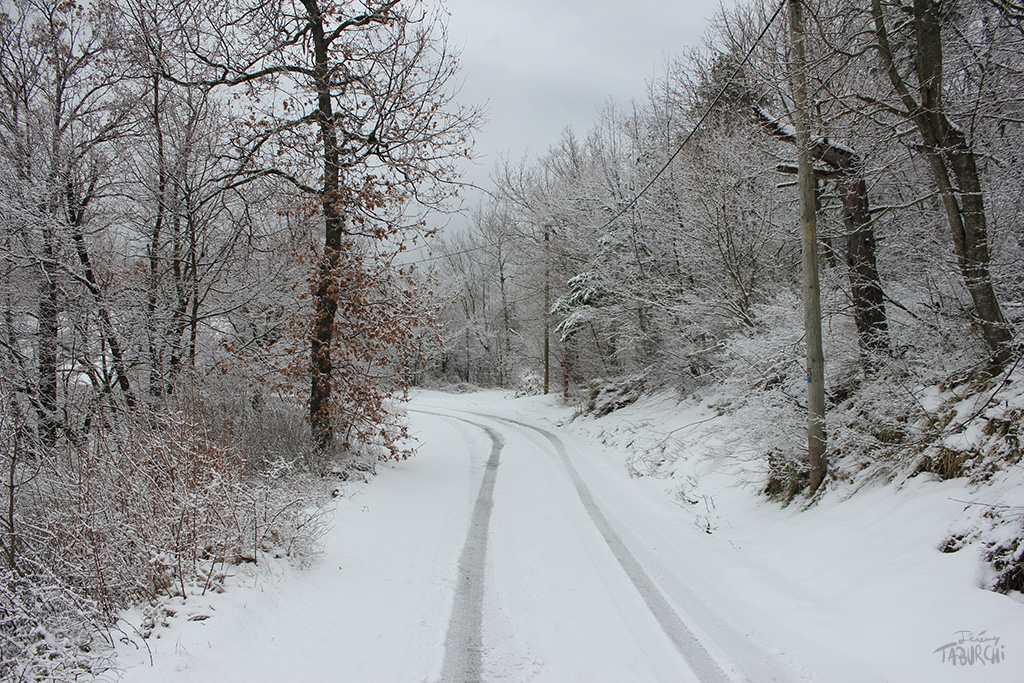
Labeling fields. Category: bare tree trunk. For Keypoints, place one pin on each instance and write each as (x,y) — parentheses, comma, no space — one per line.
(868,298)
(48,332)
(178,320)
(109,333)
(953,165)
(547,306)
(321,409)
(506,321)
(156,378)
(566,367)
(12,487)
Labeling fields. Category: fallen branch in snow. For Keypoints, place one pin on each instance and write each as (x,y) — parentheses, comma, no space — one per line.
(994,506)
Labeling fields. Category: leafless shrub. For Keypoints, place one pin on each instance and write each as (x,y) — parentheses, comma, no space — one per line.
(140,510)
(48,632)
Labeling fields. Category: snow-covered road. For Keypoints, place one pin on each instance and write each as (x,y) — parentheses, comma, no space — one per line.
(554,577)
(511,550)
(562,594)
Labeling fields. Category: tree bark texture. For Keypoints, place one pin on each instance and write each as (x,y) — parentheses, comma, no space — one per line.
(868,297)
(327,292)
(48,331)
(953,164)
(547,307)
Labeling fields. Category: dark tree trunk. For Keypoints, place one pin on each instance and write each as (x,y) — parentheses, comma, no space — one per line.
(547,307)
(179,319)
(971,242)
(156,378)
(76,219)
(866,288)
(953,165)
(868,297)
(48,331)
(109,334)
(951,155)
(506,351)
(321,409)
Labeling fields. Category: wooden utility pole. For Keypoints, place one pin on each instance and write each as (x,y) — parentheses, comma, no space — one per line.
(816,438)
(547,307)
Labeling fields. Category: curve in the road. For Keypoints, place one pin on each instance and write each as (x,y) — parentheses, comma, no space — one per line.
(701,662)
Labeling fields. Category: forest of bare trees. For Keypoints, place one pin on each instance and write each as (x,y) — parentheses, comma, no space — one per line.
(205,214)
(662,248)
(202,210)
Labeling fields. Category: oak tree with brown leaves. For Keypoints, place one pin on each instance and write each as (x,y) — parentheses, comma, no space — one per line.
(362,93)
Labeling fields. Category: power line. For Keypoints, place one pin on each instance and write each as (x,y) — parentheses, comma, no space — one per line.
(693,130)
(467,250)
(668,162)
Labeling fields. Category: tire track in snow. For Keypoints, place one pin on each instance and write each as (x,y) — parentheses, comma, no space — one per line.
(701,662)
(463,645)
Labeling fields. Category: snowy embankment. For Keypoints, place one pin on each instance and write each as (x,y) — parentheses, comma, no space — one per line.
(854,588)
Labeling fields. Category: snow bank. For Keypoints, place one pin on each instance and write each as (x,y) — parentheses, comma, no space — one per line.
(854,588)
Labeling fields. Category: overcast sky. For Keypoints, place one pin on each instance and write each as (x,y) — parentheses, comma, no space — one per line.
(541,65)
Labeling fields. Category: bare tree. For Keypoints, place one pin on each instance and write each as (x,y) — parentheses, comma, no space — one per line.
(365,89)
(847,170)
(948,150)
(66,99)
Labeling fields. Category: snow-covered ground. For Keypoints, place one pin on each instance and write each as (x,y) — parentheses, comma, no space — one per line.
(559,566)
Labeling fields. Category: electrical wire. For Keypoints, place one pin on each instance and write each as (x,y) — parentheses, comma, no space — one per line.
(668,162)
(693,130)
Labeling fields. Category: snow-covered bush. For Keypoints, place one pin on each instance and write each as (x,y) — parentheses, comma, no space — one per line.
(605,396)
(140,510)
(764,389)
(48,632)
